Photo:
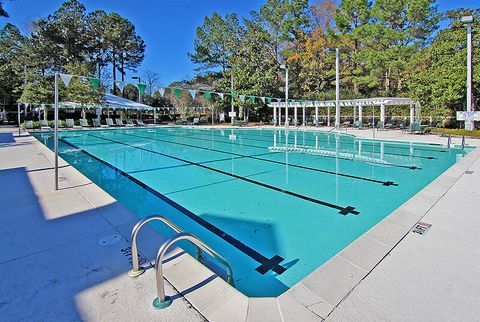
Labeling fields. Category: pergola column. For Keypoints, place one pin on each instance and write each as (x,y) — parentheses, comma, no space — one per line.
(295,116)
(304,121)
(328,116)
(360,112)
(279,115)
(382,114)
(354,112)
(275,115)
(316,115)
(412,113)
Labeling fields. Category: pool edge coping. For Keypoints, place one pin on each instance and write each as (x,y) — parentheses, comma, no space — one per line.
(311,297)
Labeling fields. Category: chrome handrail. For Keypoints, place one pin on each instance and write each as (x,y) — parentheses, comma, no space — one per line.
(163,301)
(136,270)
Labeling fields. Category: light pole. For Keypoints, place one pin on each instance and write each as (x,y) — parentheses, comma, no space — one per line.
(337,88)
(468,20)
(232,109)
(284,66)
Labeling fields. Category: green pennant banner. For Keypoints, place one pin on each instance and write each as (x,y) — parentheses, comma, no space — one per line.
(233,95)
(178,92)
(95,83)
(208,95)
(242,98)
(142,88)
(269,99)
(253,99)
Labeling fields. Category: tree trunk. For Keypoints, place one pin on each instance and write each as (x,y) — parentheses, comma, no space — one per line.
(114,73)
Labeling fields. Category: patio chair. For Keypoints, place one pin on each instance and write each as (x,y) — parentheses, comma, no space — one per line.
(119,122)
(140,123)
(130,123)
(240,122)
(71,124)
(196,121)
(380,125)
(44,125)
(109,122)
(203,120)
(97,123)
(84,123)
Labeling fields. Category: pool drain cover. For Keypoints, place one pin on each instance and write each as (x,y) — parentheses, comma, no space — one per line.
(108,240)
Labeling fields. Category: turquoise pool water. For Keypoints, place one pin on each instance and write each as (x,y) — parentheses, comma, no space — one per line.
(276,203)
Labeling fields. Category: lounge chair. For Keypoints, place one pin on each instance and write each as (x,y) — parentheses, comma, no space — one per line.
(84,123)
(140,123)
(379,125)
(97,123)
(240,122)
(44,125)
(346,124)
(71,124)
(357,124)
(196,121)
(130,123)
(109,122)
(389,126)
(29,125)
(203,120)
(119,122)
(417,128)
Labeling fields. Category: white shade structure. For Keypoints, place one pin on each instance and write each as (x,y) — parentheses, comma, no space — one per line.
(115,102)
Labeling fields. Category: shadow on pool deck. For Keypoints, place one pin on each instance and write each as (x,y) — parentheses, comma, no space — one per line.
(52,265)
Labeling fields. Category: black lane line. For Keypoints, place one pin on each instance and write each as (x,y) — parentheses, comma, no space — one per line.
(341,209)
(385,183)
(266,263)
(413,167)
(368,143)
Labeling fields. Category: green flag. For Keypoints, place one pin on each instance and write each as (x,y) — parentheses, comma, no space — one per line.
(269,99)
(208,95)
(95,83)
(242,98)
(142,88)
(253,99)
(178,92)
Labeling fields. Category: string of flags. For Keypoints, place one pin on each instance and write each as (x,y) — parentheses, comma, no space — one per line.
(95,82)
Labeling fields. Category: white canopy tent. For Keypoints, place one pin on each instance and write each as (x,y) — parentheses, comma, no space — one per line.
(115,102)
(357,104)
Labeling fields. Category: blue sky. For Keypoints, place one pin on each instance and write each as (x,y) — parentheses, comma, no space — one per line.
(168,27)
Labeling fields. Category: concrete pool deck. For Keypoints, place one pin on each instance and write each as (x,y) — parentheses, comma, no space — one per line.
(54,262)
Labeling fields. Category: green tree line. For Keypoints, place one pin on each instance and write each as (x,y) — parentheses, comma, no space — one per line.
(387,48)
(70,40)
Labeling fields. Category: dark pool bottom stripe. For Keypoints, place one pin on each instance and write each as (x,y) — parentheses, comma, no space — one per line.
(254,157)
(262,147)
(266,264)
(341,210)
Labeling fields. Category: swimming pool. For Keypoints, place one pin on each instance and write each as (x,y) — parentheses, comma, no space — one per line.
(276,203)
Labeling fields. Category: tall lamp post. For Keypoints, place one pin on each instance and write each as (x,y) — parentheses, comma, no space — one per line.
(468,21)
(284,66)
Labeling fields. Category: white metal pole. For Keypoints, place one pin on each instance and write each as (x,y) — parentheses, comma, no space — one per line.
(360,114)
(295,116)
(280,114)
(154,115)
(382,114)
(55,123)
(469,124)
(328,116)
(303,119)
(275,115)
(337,88)
(232,109)
(316,115)
(286,96)
(18,110)
(412,114)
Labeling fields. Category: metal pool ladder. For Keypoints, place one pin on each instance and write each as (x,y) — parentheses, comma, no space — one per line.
(163,301)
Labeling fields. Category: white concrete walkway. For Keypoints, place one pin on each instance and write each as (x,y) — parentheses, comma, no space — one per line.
(52,267)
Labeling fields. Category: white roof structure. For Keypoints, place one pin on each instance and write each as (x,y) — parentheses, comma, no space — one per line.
(115,102)
(377,101)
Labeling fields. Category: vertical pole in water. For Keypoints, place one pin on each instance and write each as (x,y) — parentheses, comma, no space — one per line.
(55,123)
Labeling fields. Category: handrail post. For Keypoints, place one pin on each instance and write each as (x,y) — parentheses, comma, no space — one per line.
(162,301)
(136,270)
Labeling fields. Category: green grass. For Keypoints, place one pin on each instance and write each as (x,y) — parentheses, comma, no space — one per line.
(459,132)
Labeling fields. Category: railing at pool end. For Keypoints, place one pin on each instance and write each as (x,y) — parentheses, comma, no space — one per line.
(163,301)
(136,270)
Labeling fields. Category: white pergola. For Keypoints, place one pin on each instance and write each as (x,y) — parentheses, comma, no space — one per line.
(382,102)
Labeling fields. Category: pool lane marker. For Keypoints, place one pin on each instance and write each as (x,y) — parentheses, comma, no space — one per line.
(262,147)
(341,210)
(254,157)
(266,264)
